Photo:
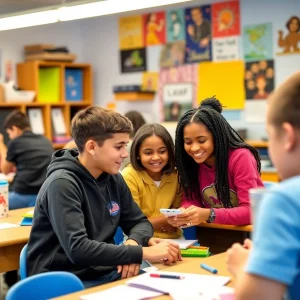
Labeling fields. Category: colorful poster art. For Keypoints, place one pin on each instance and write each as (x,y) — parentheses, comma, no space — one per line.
(150,81)
(226,48)
(198,34)
(131,32)
(259,79)
(289,38)
(133,60)
(177,91)
(154,28)
(258,42)
(172,54)
(175,25)
(226,19)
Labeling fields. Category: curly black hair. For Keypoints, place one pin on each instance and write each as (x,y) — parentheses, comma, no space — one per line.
(224,137)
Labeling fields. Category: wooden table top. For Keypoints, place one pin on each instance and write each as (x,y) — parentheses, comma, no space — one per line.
(15,235)
(247,228)
(188,265)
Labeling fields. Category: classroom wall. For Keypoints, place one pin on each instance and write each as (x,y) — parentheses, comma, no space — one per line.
(102,49)
(95,41)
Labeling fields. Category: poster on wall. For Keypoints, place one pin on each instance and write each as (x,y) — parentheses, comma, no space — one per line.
(175,25)
(259,79)
(214,80)
(226,48)
(133,60)
(131,32)
(8,69)
(289,38)
(150,81)
(226,19)
(177,91)
(198,34)
(258,42)
(154,28)
(172,54)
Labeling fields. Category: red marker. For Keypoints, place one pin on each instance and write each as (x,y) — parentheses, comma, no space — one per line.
(156,275)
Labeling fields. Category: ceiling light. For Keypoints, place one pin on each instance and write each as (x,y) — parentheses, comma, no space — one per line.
(108,7)
(30,19)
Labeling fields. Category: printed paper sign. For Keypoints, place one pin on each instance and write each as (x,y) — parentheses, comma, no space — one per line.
(226,48)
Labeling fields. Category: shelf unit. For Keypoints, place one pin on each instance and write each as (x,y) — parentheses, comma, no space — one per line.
(268,174)
(135,96)
(28,79)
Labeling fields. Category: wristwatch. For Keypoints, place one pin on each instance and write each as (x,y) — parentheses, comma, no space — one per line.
(212,216)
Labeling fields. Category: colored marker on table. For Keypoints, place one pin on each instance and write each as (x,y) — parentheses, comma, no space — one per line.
(208,268)
(155,275)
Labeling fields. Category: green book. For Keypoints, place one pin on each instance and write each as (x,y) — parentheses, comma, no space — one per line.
(195,253)
(49,84)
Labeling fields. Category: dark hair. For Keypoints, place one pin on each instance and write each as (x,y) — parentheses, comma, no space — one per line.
(288,23)
(224,138)
(144,132)
(136,119)
(284,102)
(98,124)
(18,119)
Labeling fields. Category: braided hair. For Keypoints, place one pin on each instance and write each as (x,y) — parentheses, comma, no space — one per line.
(224,137)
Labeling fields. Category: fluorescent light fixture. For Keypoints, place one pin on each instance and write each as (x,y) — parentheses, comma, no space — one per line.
(108,7)
(30,19)
(80,11)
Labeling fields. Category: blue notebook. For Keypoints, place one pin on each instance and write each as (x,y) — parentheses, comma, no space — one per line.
(73,84)
(26,222)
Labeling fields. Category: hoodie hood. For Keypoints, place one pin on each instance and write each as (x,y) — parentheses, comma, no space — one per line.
(67,159)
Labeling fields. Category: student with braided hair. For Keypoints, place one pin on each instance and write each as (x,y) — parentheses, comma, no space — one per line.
(216,168)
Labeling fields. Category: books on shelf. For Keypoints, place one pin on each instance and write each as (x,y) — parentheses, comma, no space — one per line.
(73,84)
(36,121)
(58,122)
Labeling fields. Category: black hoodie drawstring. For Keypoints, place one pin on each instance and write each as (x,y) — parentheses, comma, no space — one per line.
(108,205)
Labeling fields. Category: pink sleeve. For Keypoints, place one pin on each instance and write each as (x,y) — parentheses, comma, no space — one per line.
(244,176)
(188,202)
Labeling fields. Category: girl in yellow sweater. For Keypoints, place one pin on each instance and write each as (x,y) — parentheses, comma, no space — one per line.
(152,177)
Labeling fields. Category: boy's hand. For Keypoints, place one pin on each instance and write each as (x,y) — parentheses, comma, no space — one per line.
(154,241)
(129,270)
(237,257)
(165,251)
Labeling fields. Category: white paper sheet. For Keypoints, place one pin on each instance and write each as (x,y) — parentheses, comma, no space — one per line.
(8,225)
(183,244)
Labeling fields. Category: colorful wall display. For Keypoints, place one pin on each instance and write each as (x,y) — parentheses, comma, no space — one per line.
(258,42)
(172,54)
(224,80)
(133,60)
(289,38)
(175,25)
(177,91)
(226,18)
(259,79)
(154,28)
(131,32)
(198,34)
(226,48)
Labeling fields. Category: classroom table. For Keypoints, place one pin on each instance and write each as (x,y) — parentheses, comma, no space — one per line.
(219,237)
(188,265)
(12,240)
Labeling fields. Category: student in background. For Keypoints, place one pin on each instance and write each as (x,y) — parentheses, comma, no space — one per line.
(83,201)
(152,177)
(216,168)
(137,121)
(30,154)
(272,270)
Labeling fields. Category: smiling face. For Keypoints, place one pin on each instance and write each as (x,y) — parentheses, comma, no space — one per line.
(108,157)
(199,143)
(154,156)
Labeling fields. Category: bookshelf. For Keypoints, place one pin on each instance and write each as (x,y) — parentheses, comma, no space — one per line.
(268,173)
(51,93)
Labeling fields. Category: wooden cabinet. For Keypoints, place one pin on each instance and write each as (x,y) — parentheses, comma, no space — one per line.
(30,74)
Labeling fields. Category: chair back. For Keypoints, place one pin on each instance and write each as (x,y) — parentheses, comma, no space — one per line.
(119,236)
(45,286)
(23,264)
(269,184)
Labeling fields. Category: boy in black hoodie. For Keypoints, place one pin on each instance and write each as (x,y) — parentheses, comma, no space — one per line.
(83,201)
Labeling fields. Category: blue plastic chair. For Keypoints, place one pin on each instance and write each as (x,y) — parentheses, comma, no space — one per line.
(23,264)
(44,286)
